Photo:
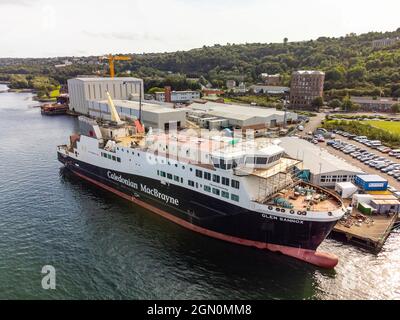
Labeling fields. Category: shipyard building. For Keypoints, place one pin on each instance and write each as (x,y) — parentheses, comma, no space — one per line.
(154,115)
(324,168)
(218,115)
(88,97)
(82,90)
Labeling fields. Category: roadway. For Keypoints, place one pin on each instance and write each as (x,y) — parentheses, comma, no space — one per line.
(314,123)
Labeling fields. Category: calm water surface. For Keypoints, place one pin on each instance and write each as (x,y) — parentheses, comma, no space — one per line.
(103,247)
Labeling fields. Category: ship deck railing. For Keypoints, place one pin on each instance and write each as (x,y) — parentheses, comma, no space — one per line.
(304,202)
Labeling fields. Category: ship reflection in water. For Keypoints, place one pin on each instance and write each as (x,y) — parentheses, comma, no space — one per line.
(105,247)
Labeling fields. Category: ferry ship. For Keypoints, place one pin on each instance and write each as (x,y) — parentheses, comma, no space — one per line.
(225,187)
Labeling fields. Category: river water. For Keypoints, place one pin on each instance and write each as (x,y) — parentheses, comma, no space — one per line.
(104,247)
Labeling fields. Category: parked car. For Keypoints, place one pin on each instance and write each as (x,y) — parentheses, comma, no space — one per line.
(380,166)
(393,172)
(384,149)
(360,138)
(377,163)
(387,169)
(330,142)
(369,158)
(394,153)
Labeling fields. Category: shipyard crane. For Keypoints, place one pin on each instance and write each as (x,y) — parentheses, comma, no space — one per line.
(111,61)
(114,113)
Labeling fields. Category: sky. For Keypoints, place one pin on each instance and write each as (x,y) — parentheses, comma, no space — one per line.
(48,28)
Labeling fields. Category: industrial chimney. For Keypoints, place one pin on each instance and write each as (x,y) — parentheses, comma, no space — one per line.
(168,94)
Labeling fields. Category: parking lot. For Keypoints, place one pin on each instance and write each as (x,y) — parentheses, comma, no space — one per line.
(362,153)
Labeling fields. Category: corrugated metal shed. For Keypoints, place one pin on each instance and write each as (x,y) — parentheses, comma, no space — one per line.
(315,158)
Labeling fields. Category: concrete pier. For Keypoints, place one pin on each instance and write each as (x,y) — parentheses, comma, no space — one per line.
(370,234)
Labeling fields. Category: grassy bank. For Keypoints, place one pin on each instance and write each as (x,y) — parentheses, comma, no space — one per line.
(389,138)
(389,126)
(356,116)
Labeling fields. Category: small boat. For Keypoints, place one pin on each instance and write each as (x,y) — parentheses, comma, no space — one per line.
(54,109)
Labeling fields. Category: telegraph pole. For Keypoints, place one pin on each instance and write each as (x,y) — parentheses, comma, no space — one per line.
(285,112)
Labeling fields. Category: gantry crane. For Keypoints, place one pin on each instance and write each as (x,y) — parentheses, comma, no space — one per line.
(111,59)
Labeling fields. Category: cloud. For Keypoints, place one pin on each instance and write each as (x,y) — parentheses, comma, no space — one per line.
(24,3)
(85,26)
(128,36)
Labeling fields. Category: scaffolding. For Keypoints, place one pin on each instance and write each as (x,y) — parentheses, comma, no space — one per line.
(273,180)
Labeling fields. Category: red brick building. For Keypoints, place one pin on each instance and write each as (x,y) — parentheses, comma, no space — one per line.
(305,87)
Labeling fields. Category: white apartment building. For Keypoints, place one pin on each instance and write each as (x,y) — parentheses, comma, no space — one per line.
(179,96)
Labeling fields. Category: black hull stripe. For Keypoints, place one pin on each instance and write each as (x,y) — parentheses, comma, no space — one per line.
(213,214)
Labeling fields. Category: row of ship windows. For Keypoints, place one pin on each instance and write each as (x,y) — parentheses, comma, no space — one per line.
(217,179)
(224,194)
(110,157)
(169,176)
(193,184)
(127,151)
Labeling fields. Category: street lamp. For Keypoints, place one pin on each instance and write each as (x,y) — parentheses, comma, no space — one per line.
(285,111)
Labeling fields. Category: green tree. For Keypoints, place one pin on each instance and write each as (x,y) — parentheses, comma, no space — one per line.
(18,82)
(335,74)
(356,73)
(347,104)
(155,89)
(355,107)
(317,103)
(396,108)
(335,103)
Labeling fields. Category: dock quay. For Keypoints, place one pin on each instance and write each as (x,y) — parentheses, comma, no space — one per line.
(369,232)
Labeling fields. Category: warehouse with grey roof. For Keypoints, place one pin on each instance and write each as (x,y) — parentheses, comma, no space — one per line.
(241,116)
(325,168)
(154,115)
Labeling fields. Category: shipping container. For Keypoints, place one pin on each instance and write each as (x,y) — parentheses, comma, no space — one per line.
(364,208)
(345,189)
(365,198)
(371,182)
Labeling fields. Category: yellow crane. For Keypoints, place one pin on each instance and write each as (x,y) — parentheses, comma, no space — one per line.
(111,60)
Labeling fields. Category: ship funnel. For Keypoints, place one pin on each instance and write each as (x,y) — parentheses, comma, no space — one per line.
(114,114)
